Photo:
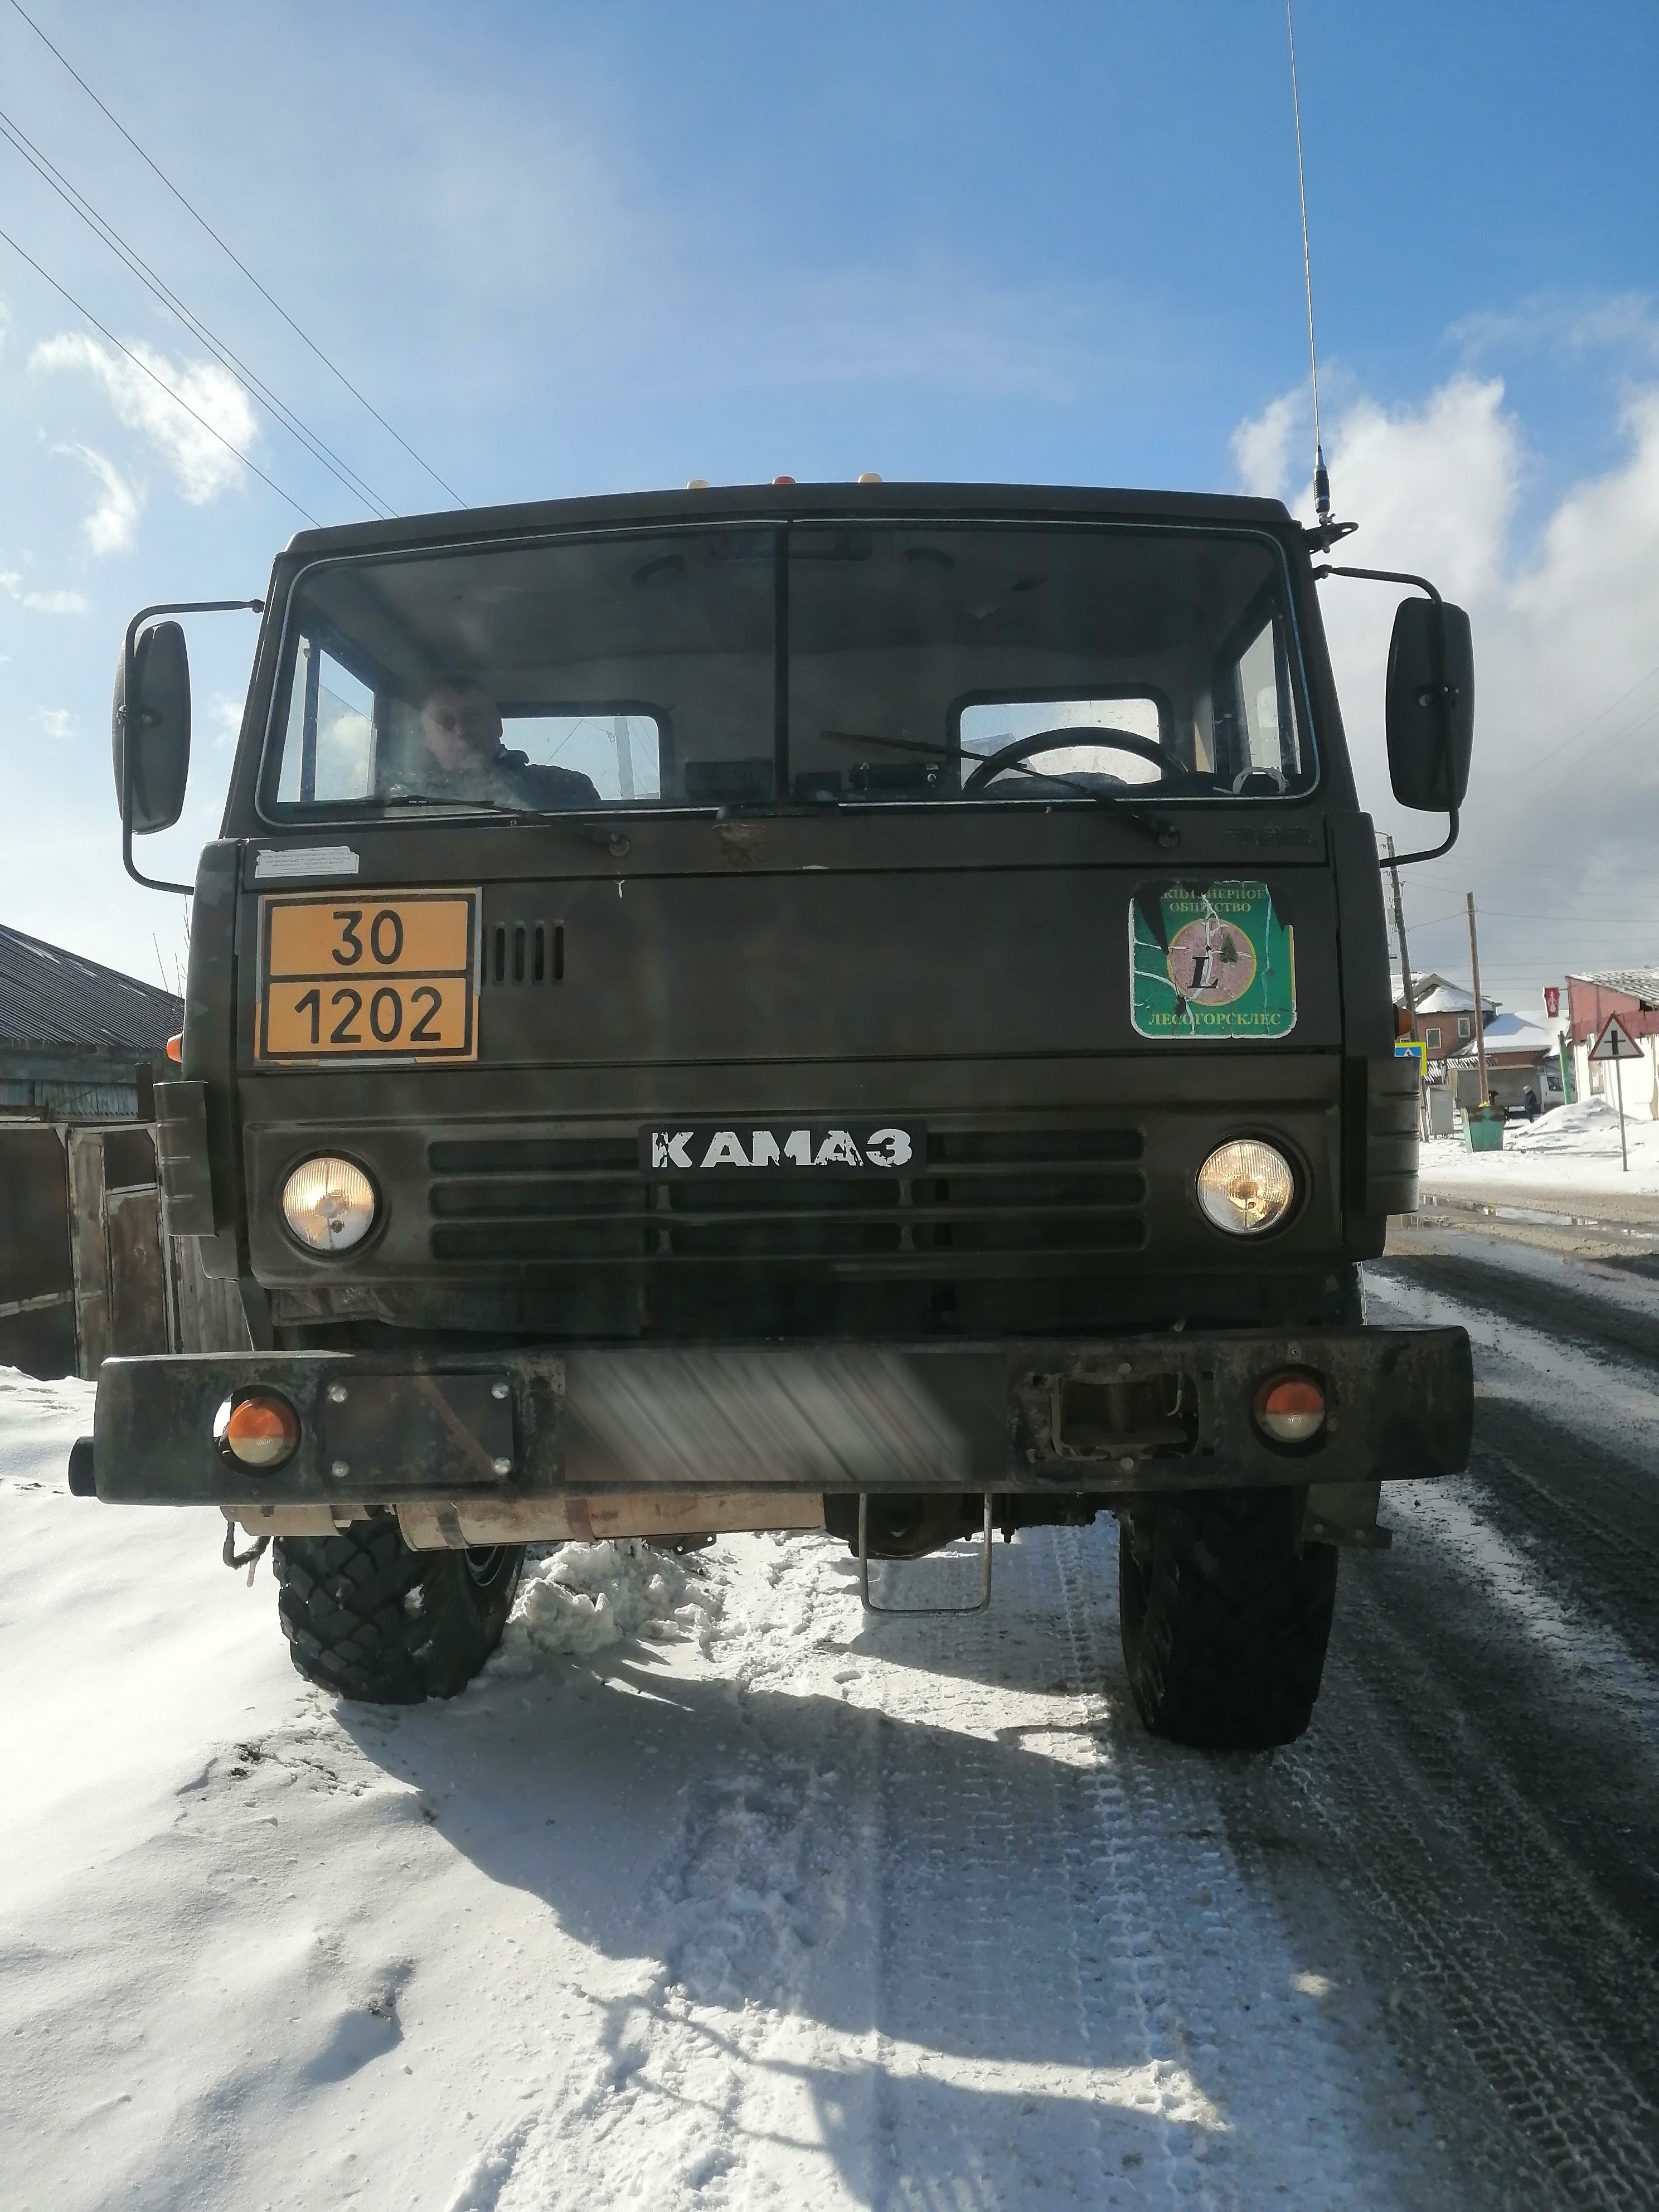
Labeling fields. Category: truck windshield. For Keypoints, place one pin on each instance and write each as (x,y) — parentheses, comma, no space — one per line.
(800,665)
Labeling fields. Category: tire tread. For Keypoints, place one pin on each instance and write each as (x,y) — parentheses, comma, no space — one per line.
(367,1617)
(1224,1621)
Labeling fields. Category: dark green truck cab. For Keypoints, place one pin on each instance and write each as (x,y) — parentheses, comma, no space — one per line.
(851,1005)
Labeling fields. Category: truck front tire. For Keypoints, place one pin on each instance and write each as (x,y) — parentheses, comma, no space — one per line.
(367,1617)
(1224,1621)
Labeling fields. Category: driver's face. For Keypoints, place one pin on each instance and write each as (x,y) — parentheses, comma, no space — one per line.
(461,726)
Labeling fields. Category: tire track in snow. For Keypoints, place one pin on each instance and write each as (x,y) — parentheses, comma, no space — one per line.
(1200,1929)
(979,1946)
(1486,1921)
(1108,1917)
(945,1932)
(1481,1731)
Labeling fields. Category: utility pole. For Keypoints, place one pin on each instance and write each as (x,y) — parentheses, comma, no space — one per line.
(1409,988)
(1479,1026)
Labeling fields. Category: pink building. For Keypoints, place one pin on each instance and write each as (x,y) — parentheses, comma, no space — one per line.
(1632,993)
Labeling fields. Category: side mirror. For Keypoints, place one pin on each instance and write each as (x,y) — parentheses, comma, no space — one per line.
(154,722)
(1431,705)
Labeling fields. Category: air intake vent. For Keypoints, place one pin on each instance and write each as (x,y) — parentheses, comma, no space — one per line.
(987,1201)
(520,952)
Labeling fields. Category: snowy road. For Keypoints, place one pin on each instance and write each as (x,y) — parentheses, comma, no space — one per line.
(805,1909)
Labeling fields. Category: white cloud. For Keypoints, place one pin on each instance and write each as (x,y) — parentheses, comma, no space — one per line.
(1621,322)
(1261,445)
(1563,813)
(203,466)
(114,523)
(57,722)
(43,603)
(225,716)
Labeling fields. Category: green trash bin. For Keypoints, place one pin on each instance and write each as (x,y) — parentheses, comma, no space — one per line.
(1483,1128)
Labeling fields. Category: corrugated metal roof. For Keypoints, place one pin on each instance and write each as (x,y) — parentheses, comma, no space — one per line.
(1634,982)
(50,997)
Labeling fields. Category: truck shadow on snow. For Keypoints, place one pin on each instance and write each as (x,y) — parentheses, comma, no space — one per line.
(949,1944)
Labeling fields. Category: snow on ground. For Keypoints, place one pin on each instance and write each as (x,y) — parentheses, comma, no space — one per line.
(712,1892)
(1574,1148)
(585,1597)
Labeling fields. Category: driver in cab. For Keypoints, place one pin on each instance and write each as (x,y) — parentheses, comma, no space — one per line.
(460,757)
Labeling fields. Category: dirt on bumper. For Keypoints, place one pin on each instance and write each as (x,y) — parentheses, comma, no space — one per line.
(1131,1413)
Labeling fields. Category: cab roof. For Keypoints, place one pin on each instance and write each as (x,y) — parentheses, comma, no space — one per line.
(790,502)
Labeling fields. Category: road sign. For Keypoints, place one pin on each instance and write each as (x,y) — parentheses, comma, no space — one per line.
(1615,1043)
(1406,1049)
(1552,1000)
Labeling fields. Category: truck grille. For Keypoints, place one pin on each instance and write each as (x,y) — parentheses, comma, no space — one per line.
(988,1200)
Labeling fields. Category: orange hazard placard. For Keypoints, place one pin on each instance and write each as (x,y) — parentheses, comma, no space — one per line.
(385,976)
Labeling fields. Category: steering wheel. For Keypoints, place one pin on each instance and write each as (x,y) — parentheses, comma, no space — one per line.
(1122,741)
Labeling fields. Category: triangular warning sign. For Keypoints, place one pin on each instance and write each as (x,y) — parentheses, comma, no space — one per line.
(1615,1043)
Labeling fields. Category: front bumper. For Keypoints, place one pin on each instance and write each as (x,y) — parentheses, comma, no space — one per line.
(1125,1415)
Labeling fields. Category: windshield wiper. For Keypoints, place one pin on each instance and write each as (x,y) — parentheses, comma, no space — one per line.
(1162,831)
(593,833)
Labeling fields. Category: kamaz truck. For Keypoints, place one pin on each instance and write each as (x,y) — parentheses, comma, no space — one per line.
(854,1007)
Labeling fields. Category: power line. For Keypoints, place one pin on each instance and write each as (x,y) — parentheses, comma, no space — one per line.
(196,216)
(159,383)
(1498,883)
(1585,727)
(79,204)
(1506,805)
(1584,910)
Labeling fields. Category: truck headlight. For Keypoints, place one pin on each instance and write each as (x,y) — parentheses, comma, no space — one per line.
(1245,1186)
(328,1204)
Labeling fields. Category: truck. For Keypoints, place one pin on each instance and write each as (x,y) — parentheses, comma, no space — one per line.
(849,1007)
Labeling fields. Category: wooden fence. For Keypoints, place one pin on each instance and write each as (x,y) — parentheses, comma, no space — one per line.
(86,1266)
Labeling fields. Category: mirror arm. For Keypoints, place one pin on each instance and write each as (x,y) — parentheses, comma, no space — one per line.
(1405,860)
(129,654)
(1378,576)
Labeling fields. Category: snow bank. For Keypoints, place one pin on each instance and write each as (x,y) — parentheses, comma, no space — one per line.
(1574,1148)
(39,1422)
(1587,1130)
(586,1596)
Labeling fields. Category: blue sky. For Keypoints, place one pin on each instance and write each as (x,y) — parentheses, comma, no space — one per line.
(573,248)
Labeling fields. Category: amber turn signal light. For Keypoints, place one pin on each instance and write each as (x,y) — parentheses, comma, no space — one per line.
(259,1431)
(1290,1409)
(176,1050)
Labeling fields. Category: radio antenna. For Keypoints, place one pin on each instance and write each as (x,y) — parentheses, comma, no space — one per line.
(1322,479)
